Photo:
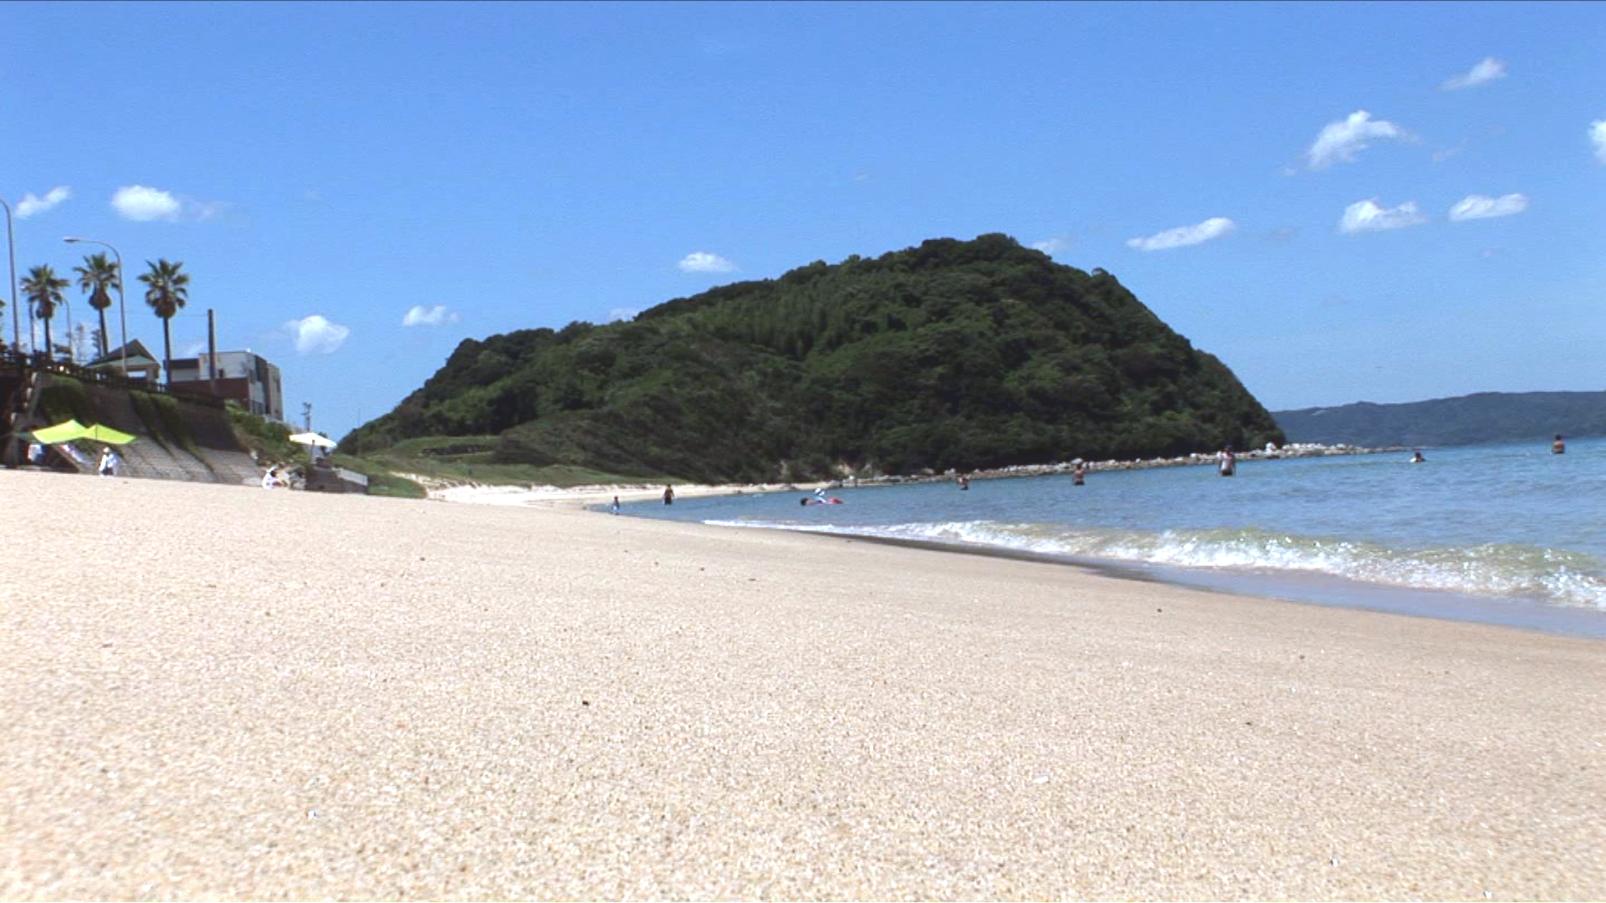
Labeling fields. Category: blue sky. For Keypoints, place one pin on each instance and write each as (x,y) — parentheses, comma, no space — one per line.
(521,166)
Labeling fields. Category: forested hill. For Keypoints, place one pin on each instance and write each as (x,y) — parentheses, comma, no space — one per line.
(1469,419)
(959,354)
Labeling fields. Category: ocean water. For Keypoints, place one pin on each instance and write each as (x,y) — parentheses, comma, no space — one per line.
(1504,533)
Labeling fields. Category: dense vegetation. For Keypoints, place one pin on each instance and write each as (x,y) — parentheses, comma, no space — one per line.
(1469,419)
(960,354)
(269,439)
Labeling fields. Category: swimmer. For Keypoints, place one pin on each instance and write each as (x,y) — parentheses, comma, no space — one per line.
(1559,447)
(1416,458)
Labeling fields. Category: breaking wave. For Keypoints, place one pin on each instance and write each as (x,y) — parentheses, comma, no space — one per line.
(1549,575)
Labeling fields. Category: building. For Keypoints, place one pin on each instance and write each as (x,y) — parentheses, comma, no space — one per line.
(142,365)
(241,375)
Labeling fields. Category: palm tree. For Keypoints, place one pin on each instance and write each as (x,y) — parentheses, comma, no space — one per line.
(97,277)
(166,291)
(43,290)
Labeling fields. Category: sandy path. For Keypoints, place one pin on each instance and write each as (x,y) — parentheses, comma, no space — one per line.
(308,696)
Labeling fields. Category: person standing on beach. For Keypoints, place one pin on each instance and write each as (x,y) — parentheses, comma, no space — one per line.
(1559,447)
(108,463)
(669,495)
(615,506)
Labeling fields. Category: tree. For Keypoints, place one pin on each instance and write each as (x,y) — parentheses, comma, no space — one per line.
(167,289)
(98,277)
(43,289)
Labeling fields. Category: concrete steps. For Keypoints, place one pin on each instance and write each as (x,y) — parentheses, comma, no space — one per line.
(233,467)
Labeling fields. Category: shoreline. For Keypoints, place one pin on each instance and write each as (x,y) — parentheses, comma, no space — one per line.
(547,495)
(1281,585)
(1342,593)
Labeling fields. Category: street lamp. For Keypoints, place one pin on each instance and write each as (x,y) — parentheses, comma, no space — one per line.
(16,317)
(122,310)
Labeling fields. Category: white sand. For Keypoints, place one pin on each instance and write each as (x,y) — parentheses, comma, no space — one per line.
(225,692)
(582,496)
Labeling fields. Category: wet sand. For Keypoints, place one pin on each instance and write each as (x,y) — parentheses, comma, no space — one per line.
(224,692)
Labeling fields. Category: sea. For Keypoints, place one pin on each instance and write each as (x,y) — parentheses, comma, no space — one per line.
(1507,534)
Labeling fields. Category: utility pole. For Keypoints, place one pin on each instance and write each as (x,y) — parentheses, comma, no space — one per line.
(16,321)
(306,415)
(211,352)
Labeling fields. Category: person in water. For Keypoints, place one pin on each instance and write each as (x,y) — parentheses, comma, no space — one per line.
(1559,447)
(964,482)
(1227,461)
(615,506)
(1416,457)
(1079,474)
(669,495)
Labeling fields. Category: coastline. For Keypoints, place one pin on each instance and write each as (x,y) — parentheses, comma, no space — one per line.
(1308,587)
(1298,589)
(586,495)
(340,696)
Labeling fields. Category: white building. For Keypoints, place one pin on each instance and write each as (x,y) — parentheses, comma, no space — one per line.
(246,377)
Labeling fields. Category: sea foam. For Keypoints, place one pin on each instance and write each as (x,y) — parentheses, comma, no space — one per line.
(1554,576)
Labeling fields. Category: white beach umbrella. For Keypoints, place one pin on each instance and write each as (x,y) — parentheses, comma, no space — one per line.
(312,439)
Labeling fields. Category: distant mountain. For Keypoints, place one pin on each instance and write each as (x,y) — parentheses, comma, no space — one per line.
(962,354)
(1466,420)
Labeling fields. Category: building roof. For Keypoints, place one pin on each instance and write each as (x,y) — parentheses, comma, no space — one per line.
(138,355)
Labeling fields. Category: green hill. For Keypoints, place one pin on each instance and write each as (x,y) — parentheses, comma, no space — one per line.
(1466,420)
(962,354)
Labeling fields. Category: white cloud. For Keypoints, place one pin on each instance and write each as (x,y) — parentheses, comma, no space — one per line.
(1597,134)
(1478,206)
(1487,70)
(1443,154)
(32,204)
(203,210)
(315,334)
(622,313)
(1369,216)
(143,204)
(704,262)
(1052,246)
(1339,142)
(419,315)
(1182,236)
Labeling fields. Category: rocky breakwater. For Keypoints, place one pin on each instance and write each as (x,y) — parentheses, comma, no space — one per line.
(1291,450)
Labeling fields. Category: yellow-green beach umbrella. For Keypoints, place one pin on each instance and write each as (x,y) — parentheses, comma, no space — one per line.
(65,431)
(100,432)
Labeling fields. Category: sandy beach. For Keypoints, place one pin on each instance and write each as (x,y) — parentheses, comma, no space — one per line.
(220,692)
